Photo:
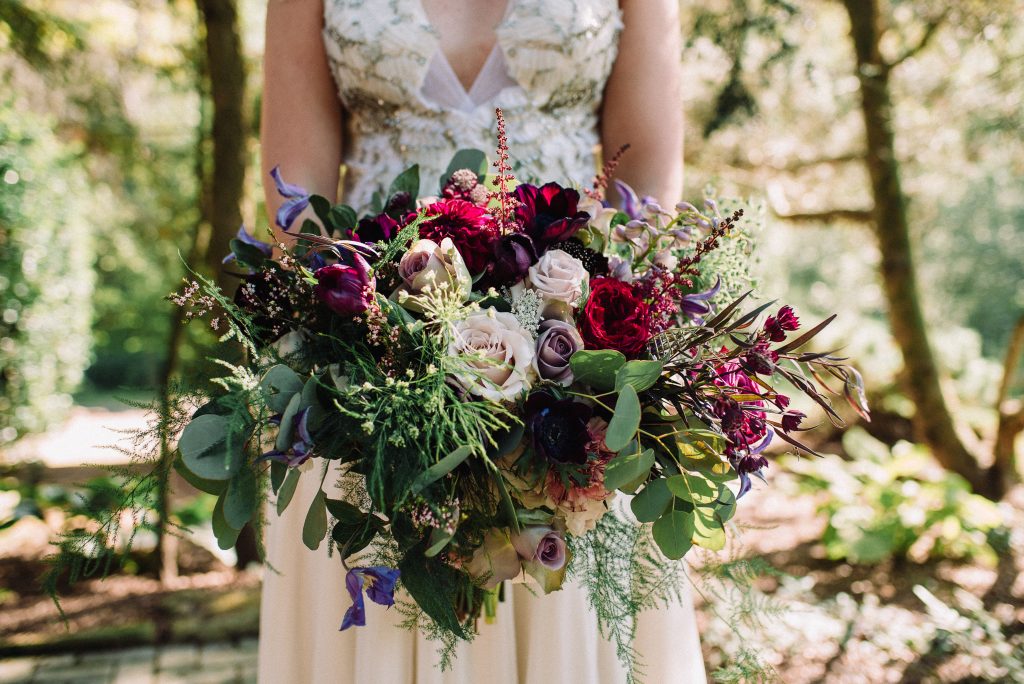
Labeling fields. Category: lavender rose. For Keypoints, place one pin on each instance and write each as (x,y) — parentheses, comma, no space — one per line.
(557,341)
(429,265)
(544,554)
(496,354)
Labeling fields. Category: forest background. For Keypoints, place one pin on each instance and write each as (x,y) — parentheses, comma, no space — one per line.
(880,140)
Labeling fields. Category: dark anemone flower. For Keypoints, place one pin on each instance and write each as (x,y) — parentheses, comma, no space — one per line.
(244,237)
(784,321)
(549,214)
(302,443)
(696,305)
(297,199)
(379,584)
(514,254)
(558,428)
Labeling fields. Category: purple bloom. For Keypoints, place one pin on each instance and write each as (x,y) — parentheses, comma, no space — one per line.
(346,290)
(514,254)
(243,236)
(297,200)
(791,420)
(549,214)
(558,428)
(784,321)
(632,205)
(302,446)
(379,584)
(696,305)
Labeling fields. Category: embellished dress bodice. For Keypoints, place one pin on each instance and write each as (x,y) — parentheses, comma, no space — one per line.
(405,104)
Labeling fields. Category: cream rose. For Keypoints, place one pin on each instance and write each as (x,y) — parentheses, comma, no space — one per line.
(496,354)
(428,264)
(558,276)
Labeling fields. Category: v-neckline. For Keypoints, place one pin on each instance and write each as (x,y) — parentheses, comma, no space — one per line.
(428,24)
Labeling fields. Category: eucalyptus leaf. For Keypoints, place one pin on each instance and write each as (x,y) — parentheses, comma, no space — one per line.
(407,181)
(343,218)
(597,368)
(693,488)
(673,533)
(278,470)
(626,420)
(278,385)
(708,531)
(474,160)
(204,448)
(241,498)
(202,484)
(627,467)
(287,491)
(651,502)
(322,208)
(438,540)
(314,529)
(247,255)
(227,536)
(726,505)
(286,429)
(640,374)
(440,469)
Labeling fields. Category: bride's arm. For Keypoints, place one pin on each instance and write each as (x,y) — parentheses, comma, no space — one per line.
(301,118)
(643,102)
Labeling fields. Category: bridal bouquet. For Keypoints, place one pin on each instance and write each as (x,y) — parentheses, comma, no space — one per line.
(501,381)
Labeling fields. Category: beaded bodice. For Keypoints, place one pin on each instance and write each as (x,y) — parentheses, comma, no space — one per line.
(554,57)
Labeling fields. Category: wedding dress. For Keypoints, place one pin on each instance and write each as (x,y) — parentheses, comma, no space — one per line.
(406,105)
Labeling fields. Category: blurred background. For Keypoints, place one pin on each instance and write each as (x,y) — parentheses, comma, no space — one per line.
(129,147)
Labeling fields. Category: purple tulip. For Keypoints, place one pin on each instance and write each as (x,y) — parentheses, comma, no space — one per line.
(379,584)
(556,343)
(346,290)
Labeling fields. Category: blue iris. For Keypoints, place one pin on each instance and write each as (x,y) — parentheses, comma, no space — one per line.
(379,585)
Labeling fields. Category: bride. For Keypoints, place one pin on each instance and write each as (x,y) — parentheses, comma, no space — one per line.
(376,86)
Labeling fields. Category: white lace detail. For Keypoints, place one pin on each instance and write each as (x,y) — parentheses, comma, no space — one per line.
(557,55)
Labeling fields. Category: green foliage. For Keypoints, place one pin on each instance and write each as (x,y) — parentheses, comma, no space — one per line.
(896,503)
(46,281)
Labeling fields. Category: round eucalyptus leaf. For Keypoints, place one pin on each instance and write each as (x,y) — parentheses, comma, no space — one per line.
(673,533)
(278,385)
(625,421)
(204,448)
(651,502)
(241,498)
(227,536)
(640,374)
(287,429)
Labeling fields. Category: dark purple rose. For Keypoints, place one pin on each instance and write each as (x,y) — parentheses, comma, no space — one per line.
(346,290)
(549,214)
(557,341)
(558,428)
(379,228)
(513,256)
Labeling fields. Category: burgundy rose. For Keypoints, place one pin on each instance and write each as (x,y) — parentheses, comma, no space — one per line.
(614,317)
(549,214)
(470,227)
(346,290)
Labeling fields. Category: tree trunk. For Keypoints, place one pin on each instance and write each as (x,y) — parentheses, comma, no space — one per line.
(225,68)
(932,419)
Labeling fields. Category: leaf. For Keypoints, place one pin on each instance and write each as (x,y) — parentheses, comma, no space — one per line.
(640,374)
(432,584)
(474,160)
(343,218)
(227,536)
(344,511)
(314,529)
(627,467)
(440,469)
(673,533)
(707,530)
(241,499)
(286,429)
(278,385)
(438,540)
(322,208)
(247,255)
(354,530)
(693,488)
(278,471)
(651,502)
(626,420)
(202,484)
(806,337)
(597,368)
(407,181)
(725,507)
(284,496)
(204,448)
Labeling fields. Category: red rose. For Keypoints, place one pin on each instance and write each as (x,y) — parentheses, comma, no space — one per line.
(470,227)
(615,318)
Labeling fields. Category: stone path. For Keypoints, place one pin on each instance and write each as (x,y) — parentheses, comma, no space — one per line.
(227,663)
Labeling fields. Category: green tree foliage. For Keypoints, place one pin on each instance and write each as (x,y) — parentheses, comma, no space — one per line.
(46,279)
